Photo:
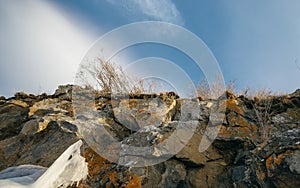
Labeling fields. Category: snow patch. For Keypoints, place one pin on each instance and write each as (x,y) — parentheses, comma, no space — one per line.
(69,168)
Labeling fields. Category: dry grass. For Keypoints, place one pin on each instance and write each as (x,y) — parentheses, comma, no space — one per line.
(111,77)
(108,77)
(258,94)
(214,91)
(262,108)
(104,76)
(261,101)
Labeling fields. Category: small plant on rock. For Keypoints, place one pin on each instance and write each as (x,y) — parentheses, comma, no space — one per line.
(262,104)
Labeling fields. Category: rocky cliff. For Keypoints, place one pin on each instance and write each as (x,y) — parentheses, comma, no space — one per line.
(258,141)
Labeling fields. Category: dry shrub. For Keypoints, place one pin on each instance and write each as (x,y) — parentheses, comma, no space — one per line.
(149,86)
(111,77)
(108,77)
(258,94)
(262,100)
(214,91)
(262,109)
(104,76)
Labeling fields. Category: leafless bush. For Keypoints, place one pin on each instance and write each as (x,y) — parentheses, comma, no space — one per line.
(106,76)
(258,94)
(262,100)
(111,77)
(149,86)
(262,103)
(263,118)
(213,91)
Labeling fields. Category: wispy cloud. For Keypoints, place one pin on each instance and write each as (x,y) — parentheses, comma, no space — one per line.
(160,10)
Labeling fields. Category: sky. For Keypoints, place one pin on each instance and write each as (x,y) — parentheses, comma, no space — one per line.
(256,43)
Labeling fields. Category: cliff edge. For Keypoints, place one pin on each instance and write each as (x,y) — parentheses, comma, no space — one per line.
(257,145)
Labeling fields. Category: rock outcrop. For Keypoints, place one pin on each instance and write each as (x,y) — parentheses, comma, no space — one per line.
(247,152)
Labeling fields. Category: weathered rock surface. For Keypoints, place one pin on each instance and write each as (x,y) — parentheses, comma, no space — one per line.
(37,129)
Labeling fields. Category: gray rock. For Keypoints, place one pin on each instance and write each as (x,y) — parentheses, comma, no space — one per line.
(11,119)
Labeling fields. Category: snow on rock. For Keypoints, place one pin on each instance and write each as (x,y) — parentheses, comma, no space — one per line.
(69,168)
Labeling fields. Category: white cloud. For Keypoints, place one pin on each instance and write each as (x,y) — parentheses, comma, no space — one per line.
(40,47)
(161,10)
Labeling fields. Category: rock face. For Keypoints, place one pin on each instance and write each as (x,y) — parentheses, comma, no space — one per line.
(256,146)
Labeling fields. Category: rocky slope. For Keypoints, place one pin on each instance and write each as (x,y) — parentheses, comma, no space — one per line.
(256,146)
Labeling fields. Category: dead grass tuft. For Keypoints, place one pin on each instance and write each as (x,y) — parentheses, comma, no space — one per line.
(107,77)
(217,89)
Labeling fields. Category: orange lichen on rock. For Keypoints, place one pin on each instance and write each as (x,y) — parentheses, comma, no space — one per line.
(278,159)
(233,106)
(269,165)
(269,162)
(260,174)
(106,173)
(263,176)
(95,162)
(112,178)
(238,125)
(134,182)
(273,162)
(98,165)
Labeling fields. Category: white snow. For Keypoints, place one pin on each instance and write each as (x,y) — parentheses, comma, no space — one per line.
(69,167)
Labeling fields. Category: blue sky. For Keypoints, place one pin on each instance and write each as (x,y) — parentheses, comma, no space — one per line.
(256,43)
